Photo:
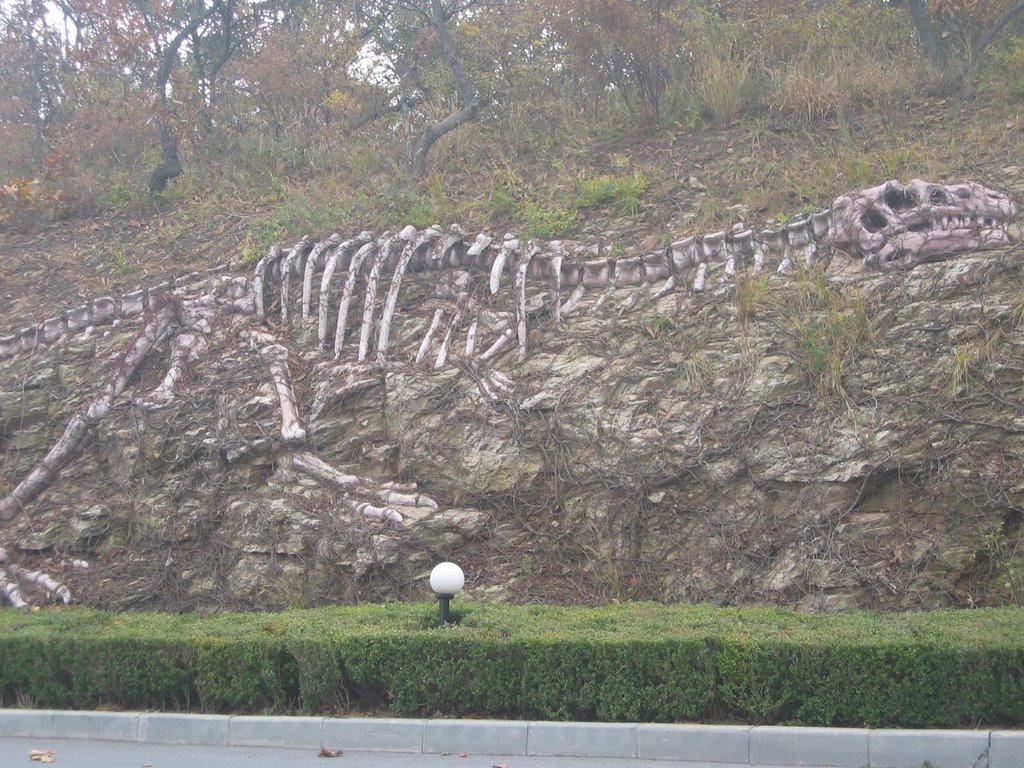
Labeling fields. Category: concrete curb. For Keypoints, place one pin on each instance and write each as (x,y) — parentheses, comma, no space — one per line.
(726,744)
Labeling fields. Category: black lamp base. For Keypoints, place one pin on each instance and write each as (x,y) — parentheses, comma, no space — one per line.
(443,605)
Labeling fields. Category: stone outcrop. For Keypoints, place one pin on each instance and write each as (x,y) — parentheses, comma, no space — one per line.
(827,437)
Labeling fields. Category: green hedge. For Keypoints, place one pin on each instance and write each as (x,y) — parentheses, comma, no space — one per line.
(635,662)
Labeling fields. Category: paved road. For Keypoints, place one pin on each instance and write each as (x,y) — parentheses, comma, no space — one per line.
(75,753)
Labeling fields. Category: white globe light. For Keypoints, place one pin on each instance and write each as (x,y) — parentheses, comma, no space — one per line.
(447,579)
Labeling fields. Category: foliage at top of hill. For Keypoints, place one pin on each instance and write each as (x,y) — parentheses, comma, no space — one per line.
(305,116)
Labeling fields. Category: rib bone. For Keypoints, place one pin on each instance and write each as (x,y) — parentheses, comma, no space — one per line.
(346,295)
(316,260)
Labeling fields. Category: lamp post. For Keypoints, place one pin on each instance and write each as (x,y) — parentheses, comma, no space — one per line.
(446,579)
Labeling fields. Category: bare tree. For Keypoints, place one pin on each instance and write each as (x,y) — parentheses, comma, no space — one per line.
(170,164)
(927,34)
(468,103)
(385,26)
(982,45)
(938,53)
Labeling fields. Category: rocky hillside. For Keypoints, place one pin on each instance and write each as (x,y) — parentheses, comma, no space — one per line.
(825,439)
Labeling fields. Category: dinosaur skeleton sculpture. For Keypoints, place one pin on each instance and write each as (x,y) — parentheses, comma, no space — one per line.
(886,227)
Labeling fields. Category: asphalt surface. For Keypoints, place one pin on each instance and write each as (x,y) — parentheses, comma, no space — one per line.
(81,753)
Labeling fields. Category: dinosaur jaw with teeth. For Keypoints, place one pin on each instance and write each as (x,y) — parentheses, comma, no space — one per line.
(893,226)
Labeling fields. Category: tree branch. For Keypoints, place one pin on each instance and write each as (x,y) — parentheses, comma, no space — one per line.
(981,47)
(170,164)
(469,105)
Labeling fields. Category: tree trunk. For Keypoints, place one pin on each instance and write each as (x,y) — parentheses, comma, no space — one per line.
(930,41)
(469,105)
(170,165)
(985,42)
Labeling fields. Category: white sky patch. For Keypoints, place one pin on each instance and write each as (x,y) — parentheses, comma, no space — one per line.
(372,67)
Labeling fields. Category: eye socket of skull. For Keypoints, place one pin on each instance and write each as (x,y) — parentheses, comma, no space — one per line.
(901,199)
(873,220)
(939,197)
(898,254)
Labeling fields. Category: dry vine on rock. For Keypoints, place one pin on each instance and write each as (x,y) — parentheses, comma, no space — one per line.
(465,320)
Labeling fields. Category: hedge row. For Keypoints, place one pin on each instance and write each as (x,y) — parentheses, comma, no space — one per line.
(636,662)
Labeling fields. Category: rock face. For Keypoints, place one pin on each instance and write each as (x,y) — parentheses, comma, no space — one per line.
(824,439)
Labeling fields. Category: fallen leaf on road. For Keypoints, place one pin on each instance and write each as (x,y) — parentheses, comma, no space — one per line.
(42,755)
(500,765)
(325,752)
(463,754)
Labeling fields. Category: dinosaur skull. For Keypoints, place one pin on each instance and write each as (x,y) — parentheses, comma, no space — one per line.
(893,225)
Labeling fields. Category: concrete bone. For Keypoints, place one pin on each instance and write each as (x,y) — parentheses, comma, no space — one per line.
(340,257)
(44,580)
(53,329)
(28,339)
(293,261)
(712,247)
(102,311)
(155,295)
(81,425)
(898,226)
(521,269)
(9,346)
(629,271)
(453,325)
(133,304)
(508,247)
(259,278)
(886,227)
(558,254)
(276,357)
(449,254)
(476,254)
(799,236)
(384,493)
(384,254)
(428,337)
(316,261)
(355,268)
(77,319)
(656,267)
(414,244)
